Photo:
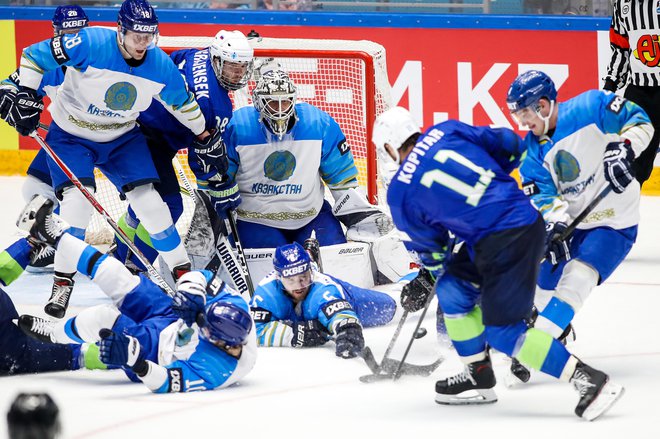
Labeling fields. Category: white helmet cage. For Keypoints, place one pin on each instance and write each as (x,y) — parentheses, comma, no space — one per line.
(274,97)
(232,59)
(393,127)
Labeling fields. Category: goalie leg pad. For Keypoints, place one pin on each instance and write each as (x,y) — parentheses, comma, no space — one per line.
(391,257)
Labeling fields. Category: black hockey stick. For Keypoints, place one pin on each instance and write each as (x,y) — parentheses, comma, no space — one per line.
(239,251)
(153,274)
(587,210)
(368,356)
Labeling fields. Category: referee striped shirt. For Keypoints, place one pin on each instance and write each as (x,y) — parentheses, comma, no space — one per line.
(634,34)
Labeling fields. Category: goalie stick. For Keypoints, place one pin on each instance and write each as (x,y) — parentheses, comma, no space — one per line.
(153,274)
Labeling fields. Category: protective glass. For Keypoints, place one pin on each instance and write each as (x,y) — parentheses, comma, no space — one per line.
(297,282)
(233,74)
(140,41)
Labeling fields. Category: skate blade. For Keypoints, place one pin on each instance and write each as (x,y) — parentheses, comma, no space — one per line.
(608,395)
(482,396)
(38,270)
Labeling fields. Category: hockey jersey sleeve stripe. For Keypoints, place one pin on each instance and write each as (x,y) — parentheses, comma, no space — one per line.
(274,334)
(619,40)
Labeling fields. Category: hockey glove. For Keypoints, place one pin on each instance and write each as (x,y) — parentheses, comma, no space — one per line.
(224,197)
(189,301)
(557,250)
(308,334)
(415,294)
(349,341)
(26,111)
(122,350)
(7,99)
(211,154)
(618,165)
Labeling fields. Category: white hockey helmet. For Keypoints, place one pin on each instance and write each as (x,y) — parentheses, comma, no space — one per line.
(232,59)
(393,128)
(274,97)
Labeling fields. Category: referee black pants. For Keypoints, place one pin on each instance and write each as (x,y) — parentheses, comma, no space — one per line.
(649,99)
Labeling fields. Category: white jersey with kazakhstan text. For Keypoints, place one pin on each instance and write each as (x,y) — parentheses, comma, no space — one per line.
(281,181)
(564,172)
(102,95)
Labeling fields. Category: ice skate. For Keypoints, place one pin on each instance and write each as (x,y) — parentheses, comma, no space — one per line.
(472,386)
(42,259)
(597,393)
(59,296)
(37,328)
(518,374)
(38,220)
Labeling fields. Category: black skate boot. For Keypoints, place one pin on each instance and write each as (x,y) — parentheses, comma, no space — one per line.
(38,220)
(597,393)
(60,295)
(311,245)
(37,328)
(42,258)
(518,374)
(477,379)
(567,335)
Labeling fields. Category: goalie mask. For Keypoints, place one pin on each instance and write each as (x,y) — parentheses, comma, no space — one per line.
(274,97)
(525,93)
(69,19)
(227,324)
(231,58)
(294,268)
(392,128)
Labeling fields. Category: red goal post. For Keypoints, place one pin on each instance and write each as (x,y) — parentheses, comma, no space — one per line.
(347,79)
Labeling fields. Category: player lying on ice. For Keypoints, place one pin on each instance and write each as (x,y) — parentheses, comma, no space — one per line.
(455,178)
(296,305)
(201,339)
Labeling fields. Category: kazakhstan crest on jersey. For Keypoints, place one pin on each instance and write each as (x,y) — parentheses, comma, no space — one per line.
(279,166)
(566,167)
(121,96)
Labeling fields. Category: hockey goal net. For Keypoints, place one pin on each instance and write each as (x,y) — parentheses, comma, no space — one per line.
(347,79)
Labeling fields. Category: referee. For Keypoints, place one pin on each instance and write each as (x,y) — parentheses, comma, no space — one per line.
(636,63)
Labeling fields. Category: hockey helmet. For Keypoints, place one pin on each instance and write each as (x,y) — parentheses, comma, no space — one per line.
(69,18)
(232,59)
(227,324)
(138,16)
(393,128)
(525,93)
(274,97)
(33,415)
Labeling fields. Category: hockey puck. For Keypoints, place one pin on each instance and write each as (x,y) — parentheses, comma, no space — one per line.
(421,332)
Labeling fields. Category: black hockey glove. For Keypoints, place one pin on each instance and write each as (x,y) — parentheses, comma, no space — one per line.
(122,350)
(415,293)
(224,196)
(618,165)
(211,155)
(557,250)
(7,99)
(308,334)
(349,341)
(26,111)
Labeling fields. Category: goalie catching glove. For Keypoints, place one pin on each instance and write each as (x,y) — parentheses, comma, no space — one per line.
(308,334)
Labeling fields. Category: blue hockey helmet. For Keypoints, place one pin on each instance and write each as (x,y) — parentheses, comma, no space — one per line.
(226,323)
(291,260)
(137,16)
(528,88)
(69,18)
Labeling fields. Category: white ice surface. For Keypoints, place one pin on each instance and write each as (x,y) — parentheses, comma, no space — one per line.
(311,393)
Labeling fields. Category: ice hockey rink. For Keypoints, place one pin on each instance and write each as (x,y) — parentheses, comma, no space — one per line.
(311,393)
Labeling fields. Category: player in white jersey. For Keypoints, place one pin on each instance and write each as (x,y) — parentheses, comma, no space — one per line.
(280,153)
(576,149)
(201,339)
(114,75)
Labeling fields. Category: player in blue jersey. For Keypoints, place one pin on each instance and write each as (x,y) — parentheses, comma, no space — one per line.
(68,19)
(210,74)
(280,153)
(116,75)
(201,339)
(455,178)
(295,305)
(575,149)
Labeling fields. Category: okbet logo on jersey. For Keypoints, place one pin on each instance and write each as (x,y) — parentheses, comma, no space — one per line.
(121,96)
